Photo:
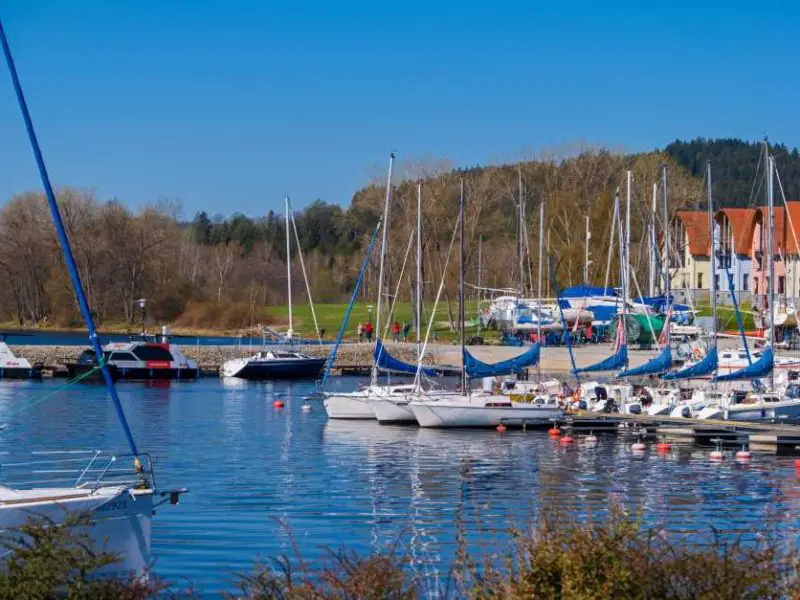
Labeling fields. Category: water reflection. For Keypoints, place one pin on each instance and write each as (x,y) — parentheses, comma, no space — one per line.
(252,468)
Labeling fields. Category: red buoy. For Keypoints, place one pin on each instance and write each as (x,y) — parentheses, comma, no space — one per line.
(278,404)
(501,428)
(663,447)
(554,431)
(797,464)
(567,439)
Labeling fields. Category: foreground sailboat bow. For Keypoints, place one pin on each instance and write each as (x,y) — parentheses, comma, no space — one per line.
(121,508)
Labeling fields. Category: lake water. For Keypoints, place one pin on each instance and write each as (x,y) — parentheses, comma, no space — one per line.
(263,480)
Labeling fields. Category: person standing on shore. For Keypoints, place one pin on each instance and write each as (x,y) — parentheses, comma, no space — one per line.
(368,331)
(360,331)
(396,332)
(406,329)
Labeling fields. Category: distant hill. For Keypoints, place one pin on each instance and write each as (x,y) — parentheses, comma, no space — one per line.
(735,165)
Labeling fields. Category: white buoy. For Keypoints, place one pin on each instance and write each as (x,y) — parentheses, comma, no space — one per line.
(590,439)
(716,455)
(743,455)
(638,447)
(306,408)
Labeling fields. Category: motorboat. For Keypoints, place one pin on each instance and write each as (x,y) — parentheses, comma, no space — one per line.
(14,367)
(141,359)
(766,406)
(274,364)
(733,360)
(482,409)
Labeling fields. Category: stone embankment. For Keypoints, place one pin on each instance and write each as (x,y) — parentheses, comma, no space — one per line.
(554,360)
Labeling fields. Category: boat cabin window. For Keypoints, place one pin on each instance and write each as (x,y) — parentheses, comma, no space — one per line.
(88,357)
(122,356)
(727,355)
(147,353)
(771,399)
(283,354)
(793,391)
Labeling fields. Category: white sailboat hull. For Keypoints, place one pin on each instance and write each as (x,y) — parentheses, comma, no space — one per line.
(767,411)
(354,405)
(121,519)
(455,413)
(393,411)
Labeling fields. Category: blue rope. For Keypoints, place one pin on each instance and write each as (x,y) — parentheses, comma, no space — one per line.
(343,328)
(64,240)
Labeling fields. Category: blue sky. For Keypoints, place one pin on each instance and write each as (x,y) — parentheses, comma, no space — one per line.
(227,105)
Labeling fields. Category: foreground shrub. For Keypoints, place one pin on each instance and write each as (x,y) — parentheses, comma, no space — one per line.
(44,559)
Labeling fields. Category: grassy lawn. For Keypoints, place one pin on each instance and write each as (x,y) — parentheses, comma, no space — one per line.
(727,316)
(329,317)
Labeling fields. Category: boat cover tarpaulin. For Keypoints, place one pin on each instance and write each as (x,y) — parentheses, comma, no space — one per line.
(659,364)
(760,368)
(478,368)
(705,367)
(583,291)
(612,363)
(387,362)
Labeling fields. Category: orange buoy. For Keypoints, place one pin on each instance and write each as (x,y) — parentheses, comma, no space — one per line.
(501,428)
(567,439)
(554,431)
(278,404)
(663,447)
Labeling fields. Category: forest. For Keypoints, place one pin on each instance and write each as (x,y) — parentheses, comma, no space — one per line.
(222,273)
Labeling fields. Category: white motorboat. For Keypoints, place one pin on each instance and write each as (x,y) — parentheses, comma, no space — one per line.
(14,367)
(763,407)
(482,409)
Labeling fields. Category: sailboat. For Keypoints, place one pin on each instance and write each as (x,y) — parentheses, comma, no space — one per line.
(358,404)
(280,364)
(761,404)
(120,500)
(480,408)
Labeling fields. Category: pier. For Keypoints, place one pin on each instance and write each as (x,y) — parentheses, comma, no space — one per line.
(763,437)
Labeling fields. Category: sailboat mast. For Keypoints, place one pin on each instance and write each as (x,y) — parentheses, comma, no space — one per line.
(712,233)
(653,241)
(520,217)
(63,239)
(586,254)
(627,291)
(771,248)
(419,265)
(377,324)
(539,287)
(667,274)
(461,286)
(289,333)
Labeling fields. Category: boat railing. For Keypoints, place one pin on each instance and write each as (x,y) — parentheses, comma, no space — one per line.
(84,469)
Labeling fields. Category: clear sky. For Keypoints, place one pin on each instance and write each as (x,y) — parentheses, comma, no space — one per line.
(227,104)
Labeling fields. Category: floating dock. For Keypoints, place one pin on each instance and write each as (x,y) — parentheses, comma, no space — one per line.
(762,437)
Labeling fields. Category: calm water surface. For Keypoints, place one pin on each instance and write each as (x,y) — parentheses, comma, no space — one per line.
(263,480)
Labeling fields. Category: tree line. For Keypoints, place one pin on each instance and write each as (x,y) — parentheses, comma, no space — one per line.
(224,273)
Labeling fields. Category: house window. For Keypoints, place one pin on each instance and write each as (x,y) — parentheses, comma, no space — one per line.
(781,284)
(699,281)
(745,282)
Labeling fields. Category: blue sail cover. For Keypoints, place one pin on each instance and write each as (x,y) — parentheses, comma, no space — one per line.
(705,367)
(387,362)
(583,291)
(760,368)
(477,368)
(659,364)
(612,363)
